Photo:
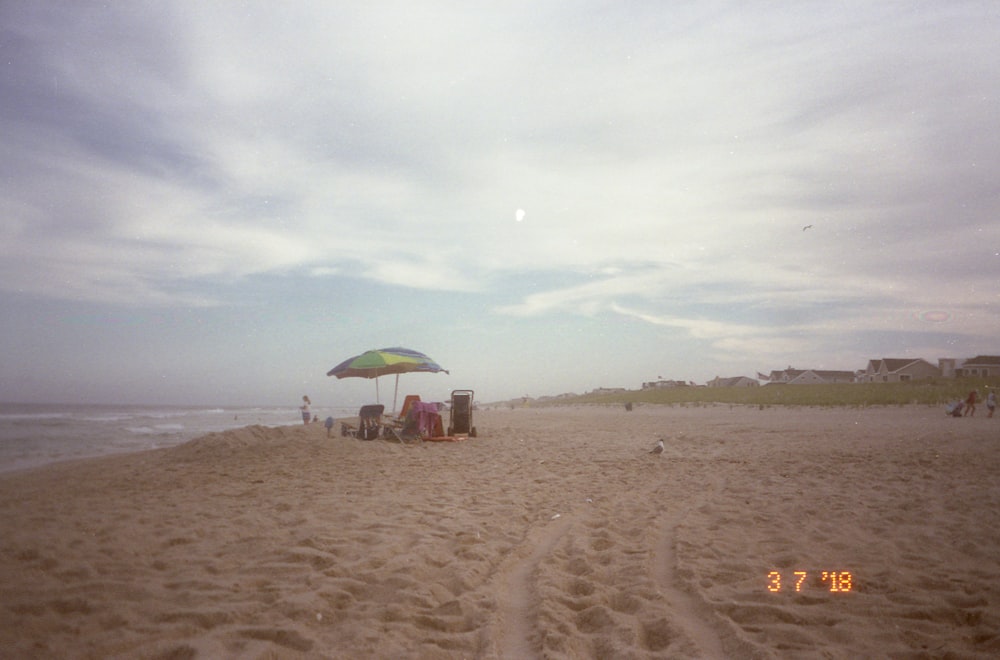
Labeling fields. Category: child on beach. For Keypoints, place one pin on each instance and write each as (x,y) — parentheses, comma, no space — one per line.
(306,415)
(970,404)
(991,403)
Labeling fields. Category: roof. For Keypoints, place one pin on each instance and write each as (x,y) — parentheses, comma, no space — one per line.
(833,374)
(983,359)
(731,381)
(894,364)
(792,374)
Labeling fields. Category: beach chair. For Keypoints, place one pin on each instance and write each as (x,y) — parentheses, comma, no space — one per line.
(423,422)
(407,402)
(408,431)
(399,422)
(369,423)
(460,417)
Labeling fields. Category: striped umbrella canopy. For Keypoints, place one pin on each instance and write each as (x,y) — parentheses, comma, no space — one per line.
(395,360)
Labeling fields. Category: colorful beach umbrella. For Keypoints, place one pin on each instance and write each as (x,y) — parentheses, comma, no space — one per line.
(384,361)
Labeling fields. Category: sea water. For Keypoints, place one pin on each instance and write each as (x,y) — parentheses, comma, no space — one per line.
(36,434)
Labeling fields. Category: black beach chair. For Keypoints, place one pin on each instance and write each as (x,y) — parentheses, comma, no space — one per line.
(369,423)
(460,417)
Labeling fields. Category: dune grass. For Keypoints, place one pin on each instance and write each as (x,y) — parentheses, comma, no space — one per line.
(926,392)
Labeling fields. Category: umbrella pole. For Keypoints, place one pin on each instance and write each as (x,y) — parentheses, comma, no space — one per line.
(376,390)
(395,393)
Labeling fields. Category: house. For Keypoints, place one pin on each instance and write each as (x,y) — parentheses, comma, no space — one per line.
(652,385)
(782,376)
(791,376)
(949,366)
(982,366)
(899,370)
(735,381)
(811,376)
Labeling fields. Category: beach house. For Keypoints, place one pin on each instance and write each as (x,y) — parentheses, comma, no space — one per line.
(734,381)
(791,376)
(897,370)
(983,366)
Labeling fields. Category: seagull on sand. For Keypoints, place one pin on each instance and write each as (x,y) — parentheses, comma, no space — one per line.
(658,449)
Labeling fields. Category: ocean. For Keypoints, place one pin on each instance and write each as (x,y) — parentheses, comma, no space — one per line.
(36,434)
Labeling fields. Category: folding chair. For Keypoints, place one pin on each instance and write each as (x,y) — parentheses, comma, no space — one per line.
(369,423)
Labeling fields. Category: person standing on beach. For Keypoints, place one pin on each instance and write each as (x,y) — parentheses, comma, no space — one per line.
(991,403)
(970,404)
(306,416)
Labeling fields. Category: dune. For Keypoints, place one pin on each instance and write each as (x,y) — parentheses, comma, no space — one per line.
(782,532)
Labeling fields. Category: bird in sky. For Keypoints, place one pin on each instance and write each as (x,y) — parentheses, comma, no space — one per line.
(807,227)
(658,449)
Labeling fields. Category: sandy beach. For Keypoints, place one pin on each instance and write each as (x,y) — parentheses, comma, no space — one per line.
(774,533)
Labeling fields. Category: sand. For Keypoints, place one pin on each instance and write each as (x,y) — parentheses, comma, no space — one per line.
(555,534)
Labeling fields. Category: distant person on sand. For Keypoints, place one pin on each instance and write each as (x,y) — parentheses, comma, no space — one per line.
(954,409)
(329,426)
(970,404)
(306,415)
(991,403)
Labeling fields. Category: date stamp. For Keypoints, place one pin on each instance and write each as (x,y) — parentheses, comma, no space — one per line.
(838,582)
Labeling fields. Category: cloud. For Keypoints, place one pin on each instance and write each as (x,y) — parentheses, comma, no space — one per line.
(392,143)
(262,177)
(698,328)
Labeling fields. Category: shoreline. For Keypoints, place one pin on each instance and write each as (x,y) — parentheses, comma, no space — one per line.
(151,441)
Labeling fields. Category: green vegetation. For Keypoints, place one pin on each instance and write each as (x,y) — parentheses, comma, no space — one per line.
(926,392)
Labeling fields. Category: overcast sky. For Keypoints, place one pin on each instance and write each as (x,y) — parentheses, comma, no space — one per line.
(216,202)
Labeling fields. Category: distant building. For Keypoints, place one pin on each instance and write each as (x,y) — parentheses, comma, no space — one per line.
(983,366)
(899,370)
(792,376)
(734,381)
(663,383)
(949,366)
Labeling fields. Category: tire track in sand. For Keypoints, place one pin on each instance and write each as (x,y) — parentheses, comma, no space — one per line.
(513,633)
(690,614)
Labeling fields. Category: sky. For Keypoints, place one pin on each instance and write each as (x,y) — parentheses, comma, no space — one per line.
(214,203)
